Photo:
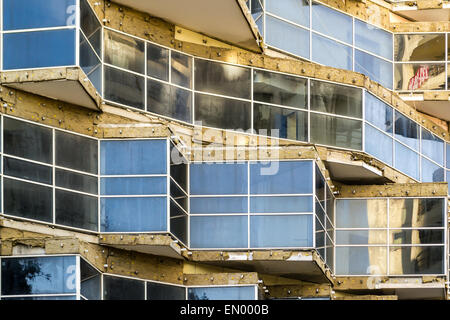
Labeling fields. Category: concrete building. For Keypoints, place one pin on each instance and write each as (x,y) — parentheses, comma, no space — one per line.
(206,149)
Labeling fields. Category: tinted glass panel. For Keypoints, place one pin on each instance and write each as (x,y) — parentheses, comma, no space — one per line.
(159,291)
(432,147)
(124,52)
(377,69)
(419,47)
(27,170)
(373,39)
(115,288)
(90,281)
(416,213)
(447,151)
(219,232)
(361,237)
(216,179)
(378,113)
(76,210)
(124,87)
(294,10)
(76,152)
(134,186)
(342,56)
(407,131)
(181,69)
(280,204)
(179,227)
(222,293)
(406,161)
(88,59)
(75,181)
(361,260)
(157,62)
(361,213)
(324,19)
(416,260)
(218,205)
(418,236)
(90,25)
(38,49)
(379,144)
(431,172)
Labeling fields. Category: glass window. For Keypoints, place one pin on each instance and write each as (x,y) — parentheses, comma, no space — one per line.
(407,161)
(330,206)
(416,213)
(342,56)
(218,112)
(159,291)
(88,59)
(361,237)
(42,298)
(334,131)
(39,275)
(90,26)
(375,68)
(358,213)
(117,288)
(133,214)
(29,14)
(419,76)
(325,20)
(256,8)
(280,122)
(124,88)
(26,140)
(222,293)
(76,152)
(407,131)
(280,204)
(416,260)
(157,62)
(320,213)
(179,224)
(333,98)
(216,178)
(27,200)
(447,151)
(280,89)
(419,47)
(448,180)
(124,52)
(179,195)
(132,157)
(76,210)
(49,48)
(431,172)
(378,113)
(379,145)
(281,177)
(221,78)
(287,37)
(181,71)
(75,181)
(361,260)
(210,205)
(320,186)
(179,174)
(27,170)
(219,231)
(133,186)
(90,281)
(417,236)
(281,231)
(294,10)
(373,39)
(432,146)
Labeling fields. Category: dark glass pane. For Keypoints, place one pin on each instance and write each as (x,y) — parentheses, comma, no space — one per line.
(124,88)
(27,140)
(159,291)
(417,236)
(178,195)
(221,78)
(90,281)
(76,152)
(416,260)
(75,181)
(116,288)
(43,275)
(320,186)
(181,69)
(179,227)
(157,62)
(179,174)
(76,210)
(416,213)
(330,205)
(27,170)
(90,25)
(27,200)
(280,89)
(124,52)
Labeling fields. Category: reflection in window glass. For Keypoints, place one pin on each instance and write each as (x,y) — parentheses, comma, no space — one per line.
(90,26)
(416,213)
(222,293)
(280,89)
(159,291)
(124,51)
(363,213)
(432,146)
(124,88)
(88,59)
(117,288)
(178,223)
(157,62)
(294,10)
(27,170)
(373,39)
(334,131)
(256,8)
(361,237)
(76,152)
(342,56)
(76,210)
(419,76)
(416,260)
(407,131)
(377,69)
(43,275)
(215,179)
(90,281)
(431,172)
(406,160)
(219,231)
(419,47)
(320,186)
(324,20)
(280,204)
(181,71)
(378,113)
(418,236)
(361,260)
(379,144)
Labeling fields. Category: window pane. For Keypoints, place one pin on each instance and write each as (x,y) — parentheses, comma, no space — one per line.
(159,291)
(342,56)
(333,131)
(379,145)
(287,37)
(320,186)
(221,78)
(90,281)
(280,122)
(222,293)
(133,214)
(222,113)
(218,205)
(27,170)
(361,237)
(179,174)
(377,69)
(26,140)
(44,275)
(76,210)
(431,172)
(407,131)
(281,231)
(361,213)
(361,260)
(134,186)
(378,113)
(27,200)
(178,195)
(447,151)
(29,14)
(373,39)
(88,59)
(157,62)
(324,19)
(76,152)
(336,99)
(280,204)
(419,76)
(181,69)
(281,177)
(407,161)
(179,226)
(124,88)
(133,157)
(90,26)
(419,236)
(416,213)
(330,205)
(416,260)
(280,89)
(216,179)
(50,48)
(116,288)
(432,146)
(75,181)
(294,10)
(124,52)
(419,47)
(219,232)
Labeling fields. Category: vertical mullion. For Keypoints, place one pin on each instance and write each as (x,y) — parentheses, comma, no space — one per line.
(387,236)
(99,180)
(145,76)
(53,175)
(248,204)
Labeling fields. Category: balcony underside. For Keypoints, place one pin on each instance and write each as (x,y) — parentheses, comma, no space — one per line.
(439,109)
(414,14)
